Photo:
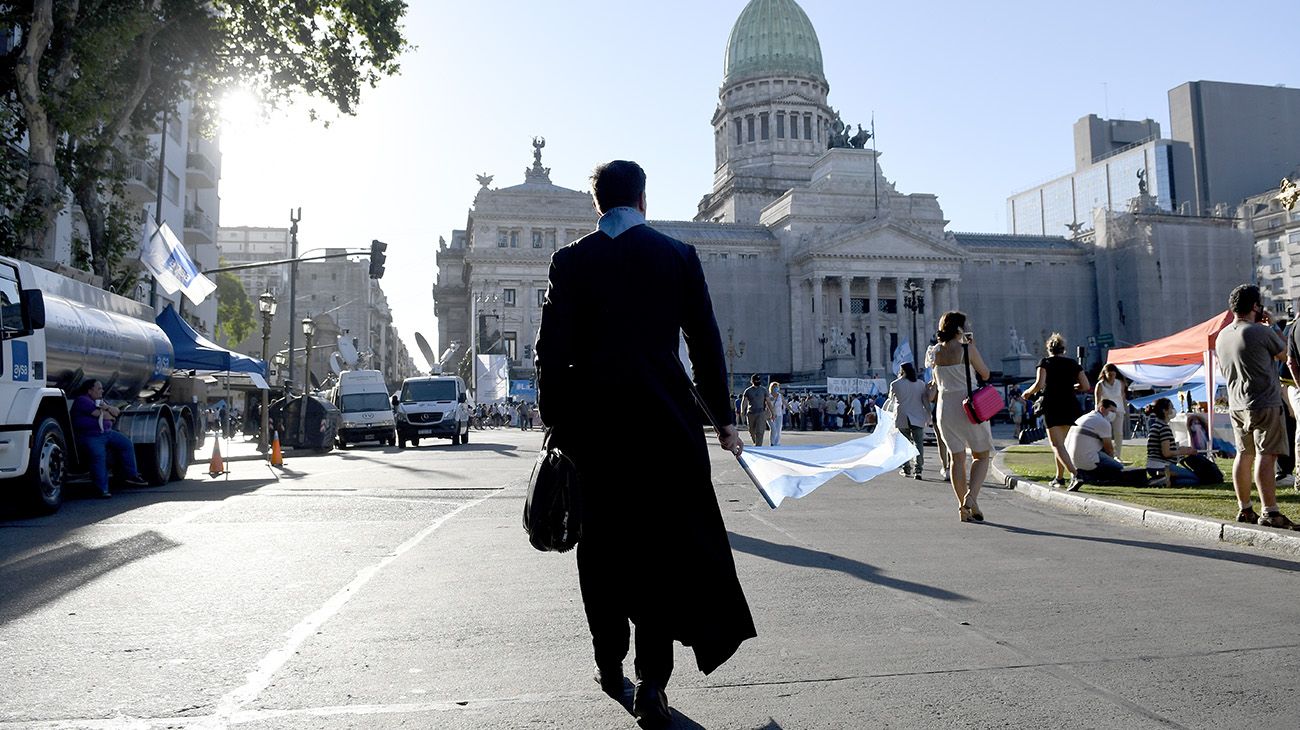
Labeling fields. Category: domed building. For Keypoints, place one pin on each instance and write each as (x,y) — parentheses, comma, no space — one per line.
(809,249)
(772,118)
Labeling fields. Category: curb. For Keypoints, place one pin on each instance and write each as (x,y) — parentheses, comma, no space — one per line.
(1199,528)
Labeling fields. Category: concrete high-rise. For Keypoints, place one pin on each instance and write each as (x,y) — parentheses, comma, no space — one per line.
(1244,138)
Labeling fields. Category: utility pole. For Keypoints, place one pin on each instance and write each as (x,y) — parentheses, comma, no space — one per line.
(157,209)
(293,281)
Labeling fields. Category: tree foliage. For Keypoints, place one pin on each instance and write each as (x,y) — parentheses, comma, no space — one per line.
(235,319)
(88,78)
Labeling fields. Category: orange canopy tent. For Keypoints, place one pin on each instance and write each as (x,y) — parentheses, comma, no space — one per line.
(1188,347)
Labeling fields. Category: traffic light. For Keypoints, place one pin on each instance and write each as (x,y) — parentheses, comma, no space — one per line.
(377,258)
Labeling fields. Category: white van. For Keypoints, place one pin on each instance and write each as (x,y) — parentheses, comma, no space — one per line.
(362,396)
(432,407)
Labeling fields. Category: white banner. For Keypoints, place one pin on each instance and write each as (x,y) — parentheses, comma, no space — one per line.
(171,265)
(849,386)
(491,378)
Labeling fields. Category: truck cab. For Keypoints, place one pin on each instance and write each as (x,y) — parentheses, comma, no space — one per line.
(362,397)
(432,407)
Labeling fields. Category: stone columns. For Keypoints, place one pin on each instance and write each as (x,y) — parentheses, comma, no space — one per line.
(819,318)
(929,320)
(845,308)
(797,324)
(873,332)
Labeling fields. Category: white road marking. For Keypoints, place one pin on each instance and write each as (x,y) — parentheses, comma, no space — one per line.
(258,680)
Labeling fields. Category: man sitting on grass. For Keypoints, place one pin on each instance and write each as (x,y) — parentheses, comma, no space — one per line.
(1091,449)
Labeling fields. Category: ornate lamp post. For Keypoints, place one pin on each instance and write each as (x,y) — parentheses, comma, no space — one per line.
(308,329)
(914,302)
(734,350)
(266,304)
(823,340)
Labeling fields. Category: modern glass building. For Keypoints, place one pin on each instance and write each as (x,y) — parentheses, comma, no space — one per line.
(1110,181)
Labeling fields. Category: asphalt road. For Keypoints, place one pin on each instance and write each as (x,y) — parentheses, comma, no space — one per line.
(377,588)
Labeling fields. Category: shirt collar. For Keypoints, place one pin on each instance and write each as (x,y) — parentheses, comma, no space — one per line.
(617,220)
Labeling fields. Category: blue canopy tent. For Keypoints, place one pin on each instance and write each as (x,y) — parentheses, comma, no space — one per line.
(196,352)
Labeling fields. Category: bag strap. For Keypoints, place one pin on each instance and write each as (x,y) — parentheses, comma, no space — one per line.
(965,358)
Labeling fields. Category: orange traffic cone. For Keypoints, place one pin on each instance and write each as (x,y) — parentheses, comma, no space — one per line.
(216,467)
(277,458)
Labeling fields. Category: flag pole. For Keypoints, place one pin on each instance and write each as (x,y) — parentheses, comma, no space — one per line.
(699,401)
(875,166)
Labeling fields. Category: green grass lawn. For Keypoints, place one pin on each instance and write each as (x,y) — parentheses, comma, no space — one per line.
(1036,463)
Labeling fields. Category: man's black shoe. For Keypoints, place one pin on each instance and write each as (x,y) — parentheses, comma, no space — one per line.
(610,680)
(650,706)
(136,481)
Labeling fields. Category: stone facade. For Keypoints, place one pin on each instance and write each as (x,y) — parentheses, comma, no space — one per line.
(494,271)
(1276,234)
(1159,273)
(809,251)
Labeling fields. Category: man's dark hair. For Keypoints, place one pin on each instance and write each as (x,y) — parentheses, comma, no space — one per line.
(617,183)
(1108,403)
(1243,299)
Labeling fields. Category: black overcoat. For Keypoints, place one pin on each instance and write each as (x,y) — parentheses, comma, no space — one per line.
(610,384)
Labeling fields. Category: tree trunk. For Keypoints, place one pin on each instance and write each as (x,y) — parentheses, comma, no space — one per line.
(86,192)
(43,198)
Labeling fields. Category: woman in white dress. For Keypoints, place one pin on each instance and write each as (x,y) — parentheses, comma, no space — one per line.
(778,410)
(1111,387)
(956,428)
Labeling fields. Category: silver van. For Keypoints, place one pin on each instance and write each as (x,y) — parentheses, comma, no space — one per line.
(433,406)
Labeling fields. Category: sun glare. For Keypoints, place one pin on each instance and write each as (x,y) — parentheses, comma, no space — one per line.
(240,108)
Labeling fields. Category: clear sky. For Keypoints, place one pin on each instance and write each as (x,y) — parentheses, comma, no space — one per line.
(972,101)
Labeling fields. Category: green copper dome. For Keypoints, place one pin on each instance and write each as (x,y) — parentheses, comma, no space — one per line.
(772,38)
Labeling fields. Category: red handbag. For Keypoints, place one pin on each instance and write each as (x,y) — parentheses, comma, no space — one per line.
(982,404)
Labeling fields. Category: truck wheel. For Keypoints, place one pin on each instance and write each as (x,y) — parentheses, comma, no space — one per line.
(156,462)
(415,443)
(184,450)
(48,467)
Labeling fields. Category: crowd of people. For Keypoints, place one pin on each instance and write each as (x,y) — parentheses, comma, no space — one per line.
(511,413)
(1086,435)
(767,408)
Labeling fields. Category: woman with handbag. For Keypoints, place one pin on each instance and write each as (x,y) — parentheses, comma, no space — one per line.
(1059,379)
(954,362)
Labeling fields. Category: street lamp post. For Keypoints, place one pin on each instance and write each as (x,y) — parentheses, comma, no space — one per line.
(823,340)
(914,302)
(734,350)
(266,304)
(308,329)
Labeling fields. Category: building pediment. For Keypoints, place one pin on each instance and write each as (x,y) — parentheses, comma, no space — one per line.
(794,98)
(879,239)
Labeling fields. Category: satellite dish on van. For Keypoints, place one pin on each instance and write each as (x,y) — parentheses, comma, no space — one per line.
(448,354)
(426,350)
(347,351)
(336,362)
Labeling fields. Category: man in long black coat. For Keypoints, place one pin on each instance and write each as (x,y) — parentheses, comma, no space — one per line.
(653,549)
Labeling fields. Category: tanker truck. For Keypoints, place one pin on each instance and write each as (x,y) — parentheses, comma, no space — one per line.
(57,332)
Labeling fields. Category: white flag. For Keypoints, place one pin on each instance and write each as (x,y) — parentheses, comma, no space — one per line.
(171,265)
(793,471)
(902,354)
